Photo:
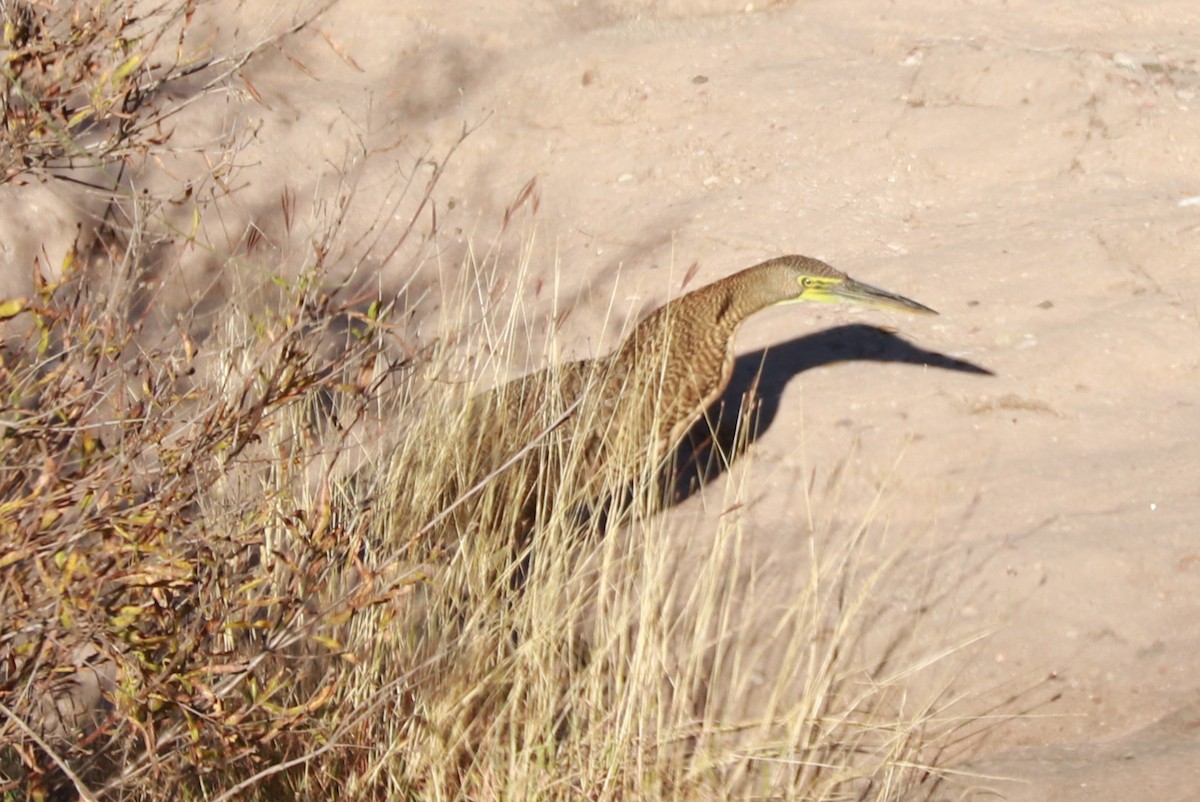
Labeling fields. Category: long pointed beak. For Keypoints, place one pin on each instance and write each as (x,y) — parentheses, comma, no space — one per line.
(854,292)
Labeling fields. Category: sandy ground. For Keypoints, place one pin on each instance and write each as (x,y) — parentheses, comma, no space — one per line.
(1029,169)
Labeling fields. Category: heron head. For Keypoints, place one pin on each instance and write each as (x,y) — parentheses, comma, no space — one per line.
(818,282)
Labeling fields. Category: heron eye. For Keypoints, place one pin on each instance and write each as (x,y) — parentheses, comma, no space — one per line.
(807,282)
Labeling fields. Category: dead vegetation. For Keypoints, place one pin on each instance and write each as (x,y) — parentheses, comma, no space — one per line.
(201,600)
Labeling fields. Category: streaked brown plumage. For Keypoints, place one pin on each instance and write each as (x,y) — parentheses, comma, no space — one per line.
(595,425)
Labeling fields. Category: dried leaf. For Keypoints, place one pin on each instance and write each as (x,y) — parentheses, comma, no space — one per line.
(689,275)
(337,48)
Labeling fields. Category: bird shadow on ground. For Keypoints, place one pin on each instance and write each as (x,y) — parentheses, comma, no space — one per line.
(758,382)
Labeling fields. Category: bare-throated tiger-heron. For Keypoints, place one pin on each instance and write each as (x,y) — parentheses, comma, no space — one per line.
(592,426)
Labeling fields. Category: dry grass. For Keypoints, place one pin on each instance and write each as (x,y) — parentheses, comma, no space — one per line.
(203,600)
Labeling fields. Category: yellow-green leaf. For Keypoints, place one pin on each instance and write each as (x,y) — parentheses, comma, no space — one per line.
(79,116)
(130,64)
(126,616)
(12,307)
